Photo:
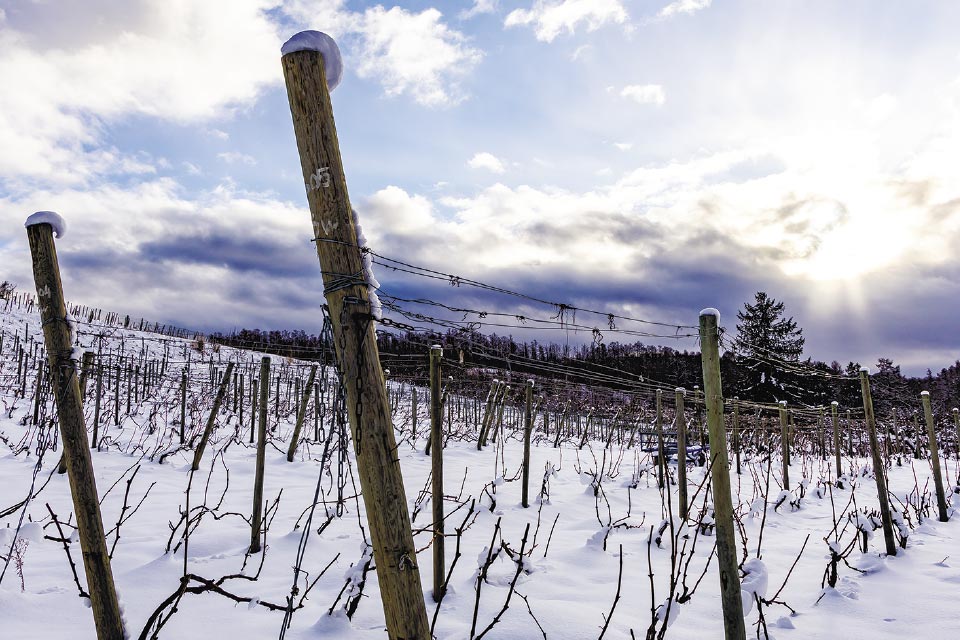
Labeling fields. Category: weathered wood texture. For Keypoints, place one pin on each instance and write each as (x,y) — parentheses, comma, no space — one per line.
(73,432)
(355,341)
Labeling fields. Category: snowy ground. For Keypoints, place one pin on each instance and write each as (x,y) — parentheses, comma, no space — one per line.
(594,506)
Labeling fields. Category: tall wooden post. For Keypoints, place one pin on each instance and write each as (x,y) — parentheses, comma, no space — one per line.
(73,431)
(488,413)
(436,460)
(836,435)
(301,414)
(257,516)
(785,444)
(661,450)
(956,423)
(681,424)
(730,596)
(527,430)
(736,431)
(878,466)
(85,368)
(355,341)
(183,404)
(212,420)
(934,456)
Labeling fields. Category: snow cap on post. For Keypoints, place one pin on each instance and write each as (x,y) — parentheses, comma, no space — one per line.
(924,393)
(318,41)
(835,403)
(51,218)
(710,311)
(864,369)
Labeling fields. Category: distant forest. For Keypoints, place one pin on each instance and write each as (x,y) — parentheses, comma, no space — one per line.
(616,366)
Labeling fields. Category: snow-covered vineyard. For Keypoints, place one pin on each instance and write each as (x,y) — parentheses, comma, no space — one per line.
(601,550)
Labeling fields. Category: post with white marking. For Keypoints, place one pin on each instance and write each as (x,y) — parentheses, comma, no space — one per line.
(934,456)
(309,60)
(730,596)
(878,466)
(73,431)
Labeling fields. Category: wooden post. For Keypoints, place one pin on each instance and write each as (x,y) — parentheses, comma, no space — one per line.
(956,423)
(348,298)
(730,596)
(785,444)
(96,404)
(436,460)
(254,403)
(661,450)
(681,422)
(934,456)
(301,414)
(736,431)
(257,516)
(183,404)
(527,430)
(878,466)
(414,411)
(836,436)
(73,431)
(487,413)
(84,376)
(212,420)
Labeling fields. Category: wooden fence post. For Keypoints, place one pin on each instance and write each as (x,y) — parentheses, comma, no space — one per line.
(487,413)
(527,429)
(934,456)
(352,323)
(183,404)
(661,450)
(301,413)
(878,466)
(785,444)
(736,431)
(257,516)
(681,424)
(836,436)
(73,431)
(212,420)
(730,596)
(436,464)
(84,376)
(956,423)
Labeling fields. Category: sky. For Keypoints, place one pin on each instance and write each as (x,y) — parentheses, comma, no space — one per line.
(641,157)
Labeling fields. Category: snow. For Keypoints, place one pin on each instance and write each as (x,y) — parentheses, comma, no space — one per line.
(376,308)
(319,41)
(924,393)
(569,586)
(710,311)
(52,218)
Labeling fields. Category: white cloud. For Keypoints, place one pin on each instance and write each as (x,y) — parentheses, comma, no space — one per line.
(66,70)
(408,52)
(580,51)
(479,7)
(488,161)
(623,146)
(688,7)
(550,18)
(645,93)
(236,157)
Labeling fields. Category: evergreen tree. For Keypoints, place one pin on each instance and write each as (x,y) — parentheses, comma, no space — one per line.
(768,346)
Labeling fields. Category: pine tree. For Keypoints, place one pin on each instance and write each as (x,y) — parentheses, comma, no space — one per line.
(768,347)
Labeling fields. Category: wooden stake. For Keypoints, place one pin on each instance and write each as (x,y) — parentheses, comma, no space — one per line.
(257,516)
(730,596)
(527,430)
(355,341)
(436,462)
(736,431)
(785,444)
(73,431)
(681,421)
(878,466)
(301,414)
(934,456)
(212,420)
(836,436)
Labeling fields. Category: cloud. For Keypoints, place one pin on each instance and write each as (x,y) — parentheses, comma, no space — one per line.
(550,18)
(479,7)
(488,161)
(235,157)
(623,146)
(645,93)
(68,69)
(688,7)
(408,52)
